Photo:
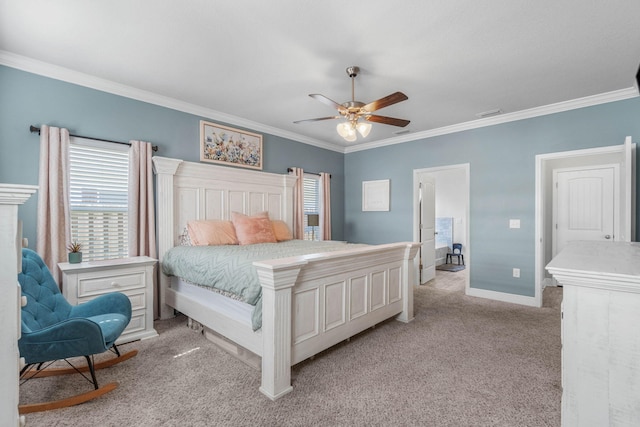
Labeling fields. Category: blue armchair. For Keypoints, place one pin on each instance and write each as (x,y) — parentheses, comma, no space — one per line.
(53,329)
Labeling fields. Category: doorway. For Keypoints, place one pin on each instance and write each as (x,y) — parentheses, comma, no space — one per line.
(450,198)
(623,156)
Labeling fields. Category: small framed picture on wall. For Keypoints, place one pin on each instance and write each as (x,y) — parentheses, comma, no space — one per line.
(375,195)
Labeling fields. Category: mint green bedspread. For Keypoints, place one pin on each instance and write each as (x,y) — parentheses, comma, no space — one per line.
(230,267)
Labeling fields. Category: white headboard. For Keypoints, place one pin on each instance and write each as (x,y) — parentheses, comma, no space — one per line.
(187,191)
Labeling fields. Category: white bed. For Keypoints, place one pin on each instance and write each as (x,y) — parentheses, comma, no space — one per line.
(310,303)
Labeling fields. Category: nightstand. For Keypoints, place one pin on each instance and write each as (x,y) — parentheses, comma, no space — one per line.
(131,276)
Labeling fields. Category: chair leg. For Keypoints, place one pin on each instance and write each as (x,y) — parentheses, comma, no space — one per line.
(80,398)
(93,372)
(26,367)
(96,366)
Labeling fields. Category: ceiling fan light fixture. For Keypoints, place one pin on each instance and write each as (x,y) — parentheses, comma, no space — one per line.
(346,130)
(350,138)
(363,129)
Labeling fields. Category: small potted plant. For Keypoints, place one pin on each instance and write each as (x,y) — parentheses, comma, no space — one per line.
(75,254)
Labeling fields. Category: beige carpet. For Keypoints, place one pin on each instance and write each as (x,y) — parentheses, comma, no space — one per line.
(464,361)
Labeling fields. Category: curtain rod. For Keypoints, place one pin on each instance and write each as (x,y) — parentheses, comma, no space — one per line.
(34,129)
(310,173)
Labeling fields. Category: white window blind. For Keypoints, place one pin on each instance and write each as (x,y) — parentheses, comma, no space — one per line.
(311,204)
(99,182)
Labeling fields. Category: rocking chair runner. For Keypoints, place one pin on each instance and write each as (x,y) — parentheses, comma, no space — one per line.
(53,329)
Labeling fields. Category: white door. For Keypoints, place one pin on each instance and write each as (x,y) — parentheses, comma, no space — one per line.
(427,227)
(585,201)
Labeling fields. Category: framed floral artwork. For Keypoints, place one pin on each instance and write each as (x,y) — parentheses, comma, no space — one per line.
(229,146)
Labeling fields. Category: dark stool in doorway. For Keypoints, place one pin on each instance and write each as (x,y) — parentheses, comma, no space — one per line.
(457,252)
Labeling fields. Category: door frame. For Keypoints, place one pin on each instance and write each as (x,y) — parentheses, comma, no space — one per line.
(465,168)
(627,216)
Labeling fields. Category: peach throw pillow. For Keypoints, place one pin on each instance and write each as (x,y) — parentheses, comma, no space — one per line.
(253,229)
(212,232)
(281,230)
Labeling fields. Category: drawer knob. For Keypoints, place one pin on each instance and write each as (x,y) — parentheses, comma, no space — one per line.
(115,284)
(22,362)
(23,301)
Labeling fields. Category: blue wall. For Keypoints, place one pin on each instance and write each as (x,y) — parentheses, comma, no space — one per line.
(501,158)
(502,175)
(28,99)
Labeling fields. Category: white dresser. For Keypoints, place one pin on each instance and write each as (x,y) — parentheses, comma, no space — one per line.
(600,333)
(131,276)
(11,196)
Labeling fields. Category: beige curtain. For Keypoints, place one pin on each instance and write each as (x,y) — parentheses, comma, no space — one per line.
(142,226)
(325,203)
(53,223)
(298,203)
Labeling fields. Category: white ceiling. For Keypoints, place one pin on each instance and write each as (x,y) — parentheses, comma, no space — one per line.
(255,62)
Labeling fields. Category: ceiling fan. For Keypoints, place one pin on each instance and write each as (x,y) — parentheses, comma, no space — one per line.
(354,110)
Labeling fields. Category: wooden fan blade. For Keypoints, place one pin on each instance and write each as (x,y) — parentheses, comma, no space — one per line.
(327,101)
(318,119)
(394,98)
(387,120)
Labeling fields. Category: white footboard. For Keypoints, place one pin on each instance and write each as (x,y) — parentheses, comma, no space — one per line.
(314,302)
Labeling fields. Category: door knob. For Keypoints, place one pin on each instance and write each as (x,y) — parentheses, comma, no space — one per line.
(607,236)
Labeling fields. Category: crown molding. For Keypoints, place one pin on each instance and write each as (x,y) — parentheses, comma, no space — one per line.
(70,76)
(75,77)
(587,101)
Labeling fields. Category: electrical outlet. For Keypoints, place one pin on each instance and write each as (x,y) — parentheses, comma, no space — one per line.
(514,223)
(516,272)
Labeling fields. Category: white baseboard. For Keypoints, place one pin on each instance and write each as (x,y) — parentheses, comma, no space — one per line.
(549,281)
(502,296)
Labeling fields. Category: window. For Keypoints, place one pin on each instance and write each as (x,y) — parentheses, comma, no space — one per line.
(311,205)
(99,178)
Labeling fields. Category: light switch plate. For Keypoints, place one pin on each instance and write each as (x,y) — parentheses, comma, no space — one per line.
(514,223)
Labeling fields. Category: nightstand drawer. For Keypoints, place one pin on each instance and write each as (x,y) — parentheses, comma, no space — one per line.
(96,285)
(136,327)
(136,324)
(137,300)
(137,297)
